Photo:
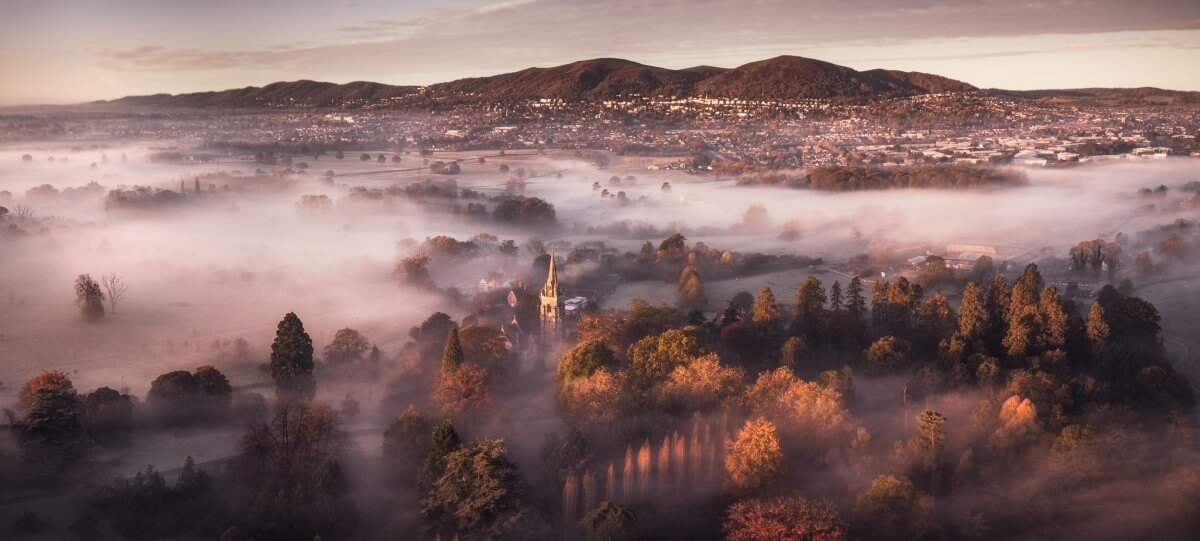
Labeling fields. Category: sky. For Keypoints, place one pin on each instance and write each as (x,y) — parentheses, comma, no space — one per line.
(69,51)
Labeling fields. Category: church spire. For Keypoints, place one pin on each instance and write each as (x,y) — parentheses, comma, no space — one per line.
(551,287)
(550,310)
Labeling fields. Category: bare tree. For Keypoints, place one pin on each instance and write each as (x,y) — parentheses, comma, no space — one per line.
(24,211)
(115,287)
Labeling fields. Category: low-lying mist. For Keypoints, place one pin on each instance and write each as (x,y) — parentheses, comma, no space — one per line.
(211,275)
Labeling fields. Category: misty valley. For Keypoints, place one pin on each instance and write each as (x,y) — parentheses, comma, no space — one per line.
(303,325)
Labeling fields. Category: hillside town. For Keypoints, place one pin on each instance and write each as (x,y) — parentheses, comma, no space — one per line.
(723,135)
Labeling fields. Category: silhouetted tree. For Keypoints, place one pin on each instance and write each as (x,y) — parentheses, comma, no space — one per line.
(609,522)
(347,347)
(89,297)
(292,360)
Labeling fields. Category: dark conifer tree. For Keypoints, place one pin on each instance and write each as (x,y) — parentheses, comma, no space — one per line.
(856,304)
(292,360)
(999,296)
(835,296)
(810,310)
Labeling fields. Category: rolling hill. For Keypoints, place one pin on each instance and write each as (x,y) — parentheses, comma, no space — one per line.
(782,78)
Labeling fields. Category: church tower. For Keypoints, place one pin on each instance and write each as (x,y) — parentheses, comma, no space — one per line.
(550,310)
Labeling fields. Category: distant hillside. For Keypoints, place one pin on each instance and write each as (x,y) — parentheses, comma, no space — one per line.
(587,80)
(1106,96)
(297,93)
(781,78)
(793,77)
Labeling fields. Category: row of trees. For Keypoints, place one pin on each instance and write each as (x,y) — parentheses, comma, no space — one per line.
(855,177)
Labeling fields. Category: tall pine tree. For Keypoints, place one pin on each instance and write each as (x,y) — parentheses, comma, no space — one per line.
(292,360)
(972,315)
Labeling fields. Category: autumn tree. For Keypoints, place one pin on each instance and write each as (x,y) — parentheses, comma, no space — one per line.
(784,517)
(292,360)
(654,357)
(452,352)
(1098,331)
(49,422)
(1018,424)
(583,360)
(701,385)
(644,319)
(754,459)
(893,509)
(594,400)
(972,315)
(929,444)
(89,296)
(478,495)
(609,522)
(600,326)
(462,391)
(813,411)
(1025,292)
(347,347)
(888,355)
(1024,329)
(1054,320)
(765,313)
(691,290)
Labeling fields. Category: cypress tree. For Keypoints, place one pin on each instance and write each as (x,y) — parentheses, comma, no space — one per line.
(445,440)
(835,296)
(1098,331)
(766,310)
(1055,323)
(691,289)
(292,360)
(972,315)
(452,354)
(1025,291)
(998,298)
(879,303)
(1023,333)
(856,304)
(810,307)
